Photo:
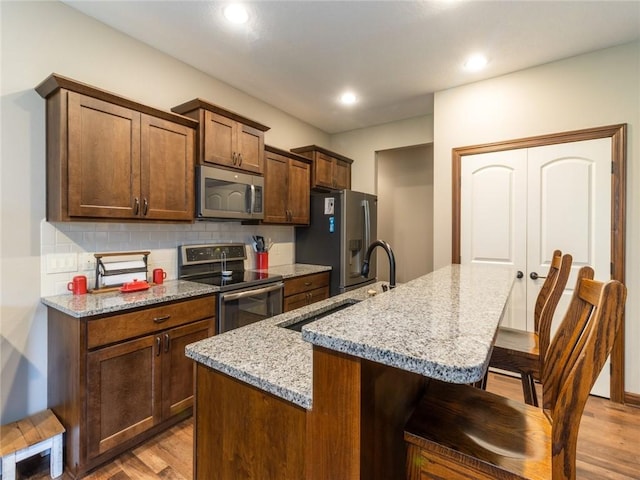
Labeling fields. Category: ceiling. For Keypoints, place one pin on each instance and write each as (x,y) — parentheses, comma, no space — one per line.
(301,55)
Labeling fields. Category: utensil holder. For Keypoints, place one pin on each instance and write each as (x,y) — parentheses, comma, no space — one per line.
(262,260)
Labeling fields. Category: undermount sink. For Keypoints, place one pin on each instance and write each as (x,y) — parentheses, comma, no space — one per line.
(297,326)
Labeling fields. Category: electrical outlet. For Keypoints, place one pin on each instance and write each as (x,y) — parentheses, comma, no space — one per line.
(86,261)
(62,263)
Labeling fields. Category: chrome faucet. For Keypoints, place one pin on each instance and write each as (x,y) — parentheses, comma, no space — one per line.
(392,261)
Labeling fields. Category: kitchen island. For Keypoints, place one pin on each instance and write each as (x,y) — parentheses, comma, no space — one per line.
(331,402)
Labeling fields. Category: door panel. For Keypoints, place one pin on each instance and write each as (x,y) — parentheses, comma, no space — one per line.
(104,158)
(493,221)
(570,209)
(167,170)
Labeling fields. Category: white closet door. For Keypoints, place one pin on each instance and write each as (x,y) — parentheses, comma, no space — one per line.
(569,208)
(494,218)
(518,206)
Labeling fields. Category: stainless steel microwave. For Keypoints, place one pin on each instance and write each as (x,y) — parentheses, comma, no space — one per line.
(225,194)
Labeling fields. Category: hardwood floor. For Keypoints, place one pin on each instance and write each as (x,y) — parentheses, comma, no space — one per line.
(608,446)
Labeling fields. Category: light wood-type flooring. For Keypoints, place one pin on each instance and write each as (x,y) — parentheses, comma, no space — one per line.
(608,446)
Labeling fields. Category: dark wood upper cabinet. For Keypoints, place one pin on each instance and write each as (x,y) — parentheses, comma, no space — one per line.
(330,170)
(112,158)
(225,137)
(287,187)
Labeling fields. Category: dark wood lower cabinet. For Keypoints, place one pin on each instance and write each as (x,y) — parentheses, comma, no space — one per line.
(115,380)
(305,290)
(120,404)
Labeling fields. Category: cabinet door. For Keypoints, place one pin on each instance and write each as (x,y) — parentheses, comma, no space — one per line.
(323,170)
(342,175)
(123,382)
(177,369)
(250,149)
(275,188)
(299,181)
(104,159)
(167,154)
(219,139)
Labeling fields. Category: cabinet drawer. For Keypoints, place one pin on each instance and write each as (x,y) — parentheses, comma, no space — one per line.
(306,283)
(305,298)
(116,328)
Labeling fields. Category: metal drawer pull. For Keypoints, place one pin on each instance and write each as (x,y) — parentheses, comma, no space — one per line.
(167,340)
(306,284)
(164,318)
(158,346)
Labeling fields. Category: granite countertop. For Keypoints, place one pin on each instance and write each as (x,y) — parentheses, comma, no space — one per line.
(296,270)
(92,304)
(441,325)
(89,305)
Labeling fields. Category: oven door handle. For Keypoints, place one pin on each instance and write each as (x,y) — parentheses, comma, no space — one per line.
(229,297)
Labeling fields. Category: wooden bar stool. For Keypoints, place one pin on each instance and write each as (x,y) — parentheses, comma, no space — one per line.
(522,352)
(461,432)
(30,436)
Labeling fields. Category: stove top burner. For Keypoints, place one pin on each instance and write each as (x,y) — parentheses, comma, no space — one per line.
(204,264)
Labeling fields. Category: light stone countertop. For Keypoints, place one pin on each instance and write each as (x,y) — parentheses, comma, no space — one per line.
(441,325)
(91,304)
(296,270)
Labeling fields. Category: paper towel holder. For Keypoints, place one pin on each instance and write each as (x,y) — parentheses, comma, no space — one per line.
(102,269)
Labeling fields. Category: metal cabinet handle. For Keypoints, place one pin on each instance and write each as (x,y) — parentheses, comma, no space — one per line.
(164,318)
(167,340)
(307,284)
(519,274)
(158,346)
(239,159)
(145,207)
(535,276)
(136,206)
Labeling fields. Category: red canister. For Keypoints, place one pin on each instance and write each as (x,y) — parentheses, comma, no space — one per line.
(262,260)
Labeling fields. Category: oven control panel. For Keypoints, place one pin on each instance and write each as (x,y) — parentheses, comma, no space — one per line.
(198,254)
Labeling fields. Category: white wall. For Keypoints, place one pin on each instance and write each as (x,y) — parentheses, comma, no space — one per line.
(361,145)
(39,38)
(599,88)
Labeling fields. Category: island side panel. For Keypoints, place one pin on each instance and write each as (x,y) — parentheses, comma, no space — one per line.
(389,397)
(244,432)
(334,422)
(356,425)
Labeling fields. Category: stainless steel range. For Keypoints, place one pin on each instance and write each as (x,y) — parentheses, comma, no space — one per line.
(245,296)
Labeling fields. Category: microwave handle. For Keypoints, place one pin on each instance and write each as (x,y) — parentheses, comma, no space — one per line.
(253,198)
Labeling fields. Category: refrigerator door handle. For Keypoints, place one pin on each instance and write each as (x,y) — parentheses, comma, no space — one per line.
(367,225)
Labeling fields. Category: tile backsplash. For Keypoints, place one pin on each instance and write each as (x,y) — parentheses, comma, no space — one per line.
(67,248)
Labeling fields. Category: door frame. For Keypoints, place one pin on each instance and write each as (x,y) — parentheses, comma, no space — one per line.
(618,135)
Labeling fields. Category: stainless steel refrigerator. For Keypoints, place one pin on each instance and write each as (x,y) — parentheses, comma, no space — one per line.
(343,224)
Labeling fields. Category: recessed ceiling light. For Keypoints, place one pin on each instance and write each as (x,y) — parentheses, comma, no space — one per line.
(236,13)
(348,98)
(476,62)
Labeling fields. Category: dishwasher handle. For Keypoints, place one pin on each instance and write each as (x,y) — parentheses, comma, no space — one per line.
(229,297)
